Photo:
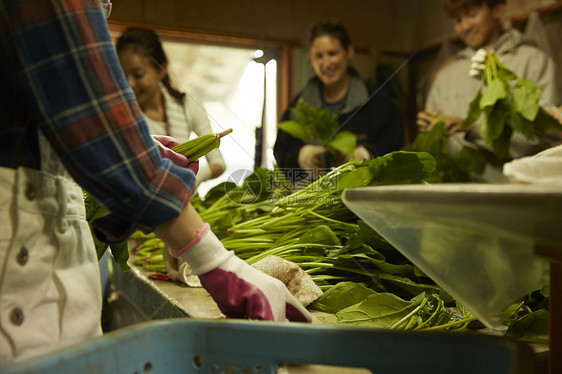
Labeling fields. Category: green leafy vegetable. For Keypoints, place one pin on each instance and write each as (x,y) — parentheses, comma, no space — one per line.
(341,296)
(376,310)
(474,111)
(526,96)
(495,117)
(319,126)
(386,310)
(497,90)
(448,169)
(366,281)
(119,251)
(313,228)
(509,104)
(532,327)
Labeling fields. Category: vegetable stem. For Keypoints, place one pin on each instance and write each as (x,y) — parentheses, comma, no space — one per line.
(401,321)
(463,322)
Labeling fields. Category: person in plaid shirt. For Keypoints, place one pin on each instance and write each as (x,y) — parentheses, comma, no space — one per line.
(70,123)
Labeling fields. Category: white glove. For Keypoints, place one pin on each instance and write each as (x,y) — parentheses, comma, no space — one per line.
(311,156)
(178,270)
(361,153)
(239,290)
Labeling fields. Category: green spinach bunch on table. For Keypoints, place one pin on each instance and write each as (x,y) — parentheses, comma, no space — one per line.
(508,104)
(366,281)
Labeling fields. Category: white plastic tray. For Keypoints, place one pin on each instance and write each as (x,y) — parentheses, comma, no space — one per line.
(475,240)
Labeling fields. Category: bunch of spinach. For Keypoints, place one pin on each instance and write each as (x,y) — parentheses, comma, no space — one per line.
(508,104)
(529,319)
(449,169)
(314,229)
(366,281)
(319,126)
(354,304)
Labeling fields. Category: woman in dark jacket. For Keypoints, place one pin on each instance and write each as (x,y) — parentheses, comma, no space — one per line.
(369,114)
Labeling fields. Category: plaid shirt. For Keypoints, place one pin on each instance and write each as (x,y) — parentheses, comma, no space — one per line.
(59,73)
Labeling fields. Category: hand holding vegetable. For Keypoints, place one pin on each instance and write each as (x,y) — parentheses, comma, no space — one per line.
(239,290)
(339,158)
(175,267)
(165,145)
(321,127)
(312,156)
(428,118)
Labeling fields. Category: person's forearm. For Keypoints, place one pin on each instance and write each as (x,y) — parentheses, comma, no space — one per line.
(209,172)
(216,170)
(181,230)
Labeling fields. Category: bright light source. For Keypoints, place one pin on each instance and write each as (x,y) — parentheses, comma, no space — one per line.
(258,53)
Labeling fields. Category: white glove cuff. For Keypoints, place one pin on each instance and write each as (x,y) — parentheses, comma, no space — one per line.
(206,254)
(361,153)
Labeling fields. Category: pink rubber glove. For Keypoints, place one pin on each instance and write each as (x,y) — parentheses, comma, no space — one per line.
(165,144)
(239,290)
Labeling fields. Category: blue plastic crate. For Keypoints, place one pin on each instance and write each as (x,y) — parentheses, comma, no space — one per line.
(238,346)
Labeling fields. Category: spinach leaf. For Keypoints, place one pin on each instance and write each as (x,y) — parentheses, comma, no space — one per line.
(448,168)
(494,121)
(504,99)
(342,295)
(474,111)
(497,90)
(377,310)
(532,328)
(521,124)
(321,234)
(403,167)
(319,126)
(470,160)
(366,236)
(119,251)
(501,144)
(526,95)
(406,287)
(344,142)
(546,122)
(294,129)
(360,177)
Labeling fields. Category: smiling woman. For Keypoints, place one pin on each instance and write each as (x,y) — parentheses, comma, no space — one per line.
(330,55)
(225,77)
(337,88)
(167,109)
(229,83)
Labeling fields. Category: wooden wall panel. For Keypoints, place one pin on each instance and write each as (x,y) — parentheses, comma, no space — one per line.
(397,26)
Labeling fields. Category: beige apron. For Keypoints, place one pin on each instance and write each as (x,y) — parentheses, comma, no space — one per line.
(50,290)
